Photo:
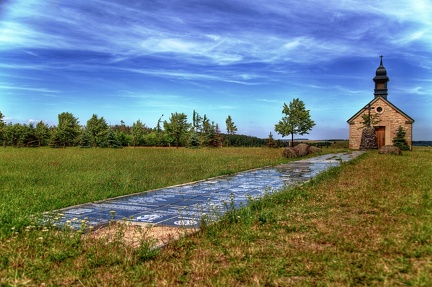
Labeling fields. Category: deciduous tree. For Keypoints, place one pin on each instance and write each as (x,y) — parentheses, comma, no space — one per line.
(42,133)
(297,120)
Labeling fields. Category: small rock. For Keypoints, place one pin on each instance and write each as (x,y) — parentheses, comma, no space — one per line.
(314,149)
(289,152)
(390,149)
(302,149)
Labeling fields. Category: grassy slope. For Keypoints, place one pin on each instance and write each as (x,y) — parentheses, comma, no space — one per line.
(366,223)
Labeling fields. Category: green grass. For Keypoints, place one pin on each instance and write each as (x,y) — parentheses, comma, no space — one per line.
(44,179)
(366,223)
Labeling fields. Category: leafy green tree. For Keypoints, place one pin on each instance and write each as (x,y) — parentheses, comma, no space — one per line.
(67,131)
(177,127)
(369,120)
(7,137)
(400,140)
(124,138)
(297,120)
(138,130)
(98,128)
(42,133)
(13,134)
(28,137)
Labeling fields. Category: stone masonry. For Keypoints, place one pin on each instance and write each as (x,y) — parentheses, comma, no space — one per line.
(388,117)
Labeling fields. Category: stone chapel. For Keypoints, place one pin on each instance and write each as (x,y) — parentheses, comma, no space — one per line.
(388,115)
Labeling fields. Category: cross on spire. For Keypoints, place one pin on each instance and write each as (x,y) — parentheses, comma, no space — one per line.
(381,60)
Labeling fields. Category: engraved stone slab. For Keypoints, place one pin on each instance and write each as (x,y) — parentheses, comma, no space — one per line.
(185,205)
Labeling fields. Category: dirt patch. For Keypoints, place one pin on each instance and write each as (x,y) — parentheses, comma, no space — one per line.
(133,234)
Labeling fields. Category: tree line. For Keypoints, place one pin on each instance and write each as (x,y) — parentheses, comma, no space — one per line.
(177,131)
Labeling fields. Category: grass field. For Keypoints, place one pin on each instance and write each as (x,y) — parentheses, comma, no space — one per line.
(43,179)
(368,222)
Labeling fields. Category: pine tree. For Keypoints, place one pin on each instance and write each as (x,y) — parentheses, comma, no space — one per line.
(110,140)
(400,140)
(194,140)
(270,142)
(85,139)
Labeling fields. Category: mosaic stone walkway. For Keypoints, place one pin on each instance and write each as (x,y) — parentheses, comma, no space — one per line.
(185,205)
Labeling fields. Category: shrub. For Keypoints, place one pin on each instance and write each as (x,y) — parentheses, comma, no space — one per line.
(400,140)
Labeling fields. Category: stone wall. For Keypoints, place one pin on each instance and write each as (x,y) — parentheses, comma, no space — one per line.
(389,118)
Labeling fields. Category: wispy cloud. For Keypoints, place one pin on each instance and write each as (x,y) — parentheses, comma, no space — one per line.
(33,89)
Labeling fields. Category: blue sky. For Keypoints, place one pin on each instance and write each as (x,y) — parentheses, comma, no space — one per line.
(138,59)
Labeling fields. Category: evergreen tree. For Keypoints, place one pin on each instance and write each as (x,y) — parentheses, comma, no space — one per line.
(194,140)
(400,140)
(42,133)
(98,128)
(28,137)
(13,134)
(138,130)
(67,130)
(270,142)
(213,137)
(177,127)
(230,127)
(86,139)
(110,140)
(123,138)
(2,127)
(197,122)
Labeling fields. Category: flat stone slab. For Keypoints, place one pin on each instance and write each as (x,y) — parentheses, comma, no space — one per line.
(185,205)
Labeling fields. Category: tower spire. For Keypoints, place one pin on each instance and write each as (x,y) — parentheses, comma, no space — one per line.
(381,80)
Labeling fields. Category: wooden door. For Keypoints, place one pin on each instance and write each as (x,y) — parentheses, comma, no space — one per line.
(380,134)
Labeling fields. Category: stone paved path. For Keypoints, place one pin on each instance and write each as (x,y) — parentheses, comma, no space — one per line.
(184,205)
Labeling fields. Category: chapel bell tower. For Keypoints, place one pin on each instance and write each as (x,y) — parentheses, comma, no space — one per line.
(381,80)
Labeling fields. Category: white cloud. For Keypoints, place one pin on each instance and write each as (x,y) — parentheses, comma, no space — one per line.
(33,89)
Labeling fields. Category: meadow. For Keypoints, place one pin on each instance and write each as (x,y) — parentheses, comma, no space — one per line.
(365,223)
(43,179)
